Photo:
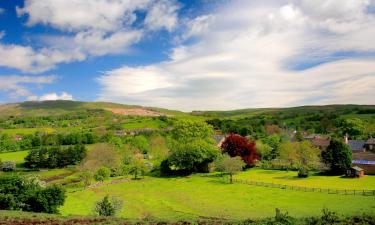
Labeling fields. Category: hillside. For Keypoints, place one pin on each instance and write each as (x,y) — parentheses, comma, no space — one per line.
(300,110)
(59,107)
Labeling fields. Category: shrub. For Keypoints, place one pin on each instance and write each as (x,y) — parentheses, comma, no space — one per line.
(102,174)
(303,172)
(329,217)
(105,207)
(29,194)
(8,166)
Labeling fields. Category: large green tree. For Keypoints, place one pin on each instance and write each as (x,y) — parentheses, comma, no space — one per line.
(338,156)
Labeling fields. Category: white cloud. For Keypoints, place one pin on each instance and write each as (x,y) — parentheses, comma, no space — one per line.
(16,86)
(78,15)
(162,14)
(2,10)
(26,59)
(92,28)
(51,97)
(243,55)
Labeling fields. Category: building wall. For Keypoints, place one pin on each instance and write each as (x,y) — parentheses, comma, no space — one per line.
(369,169)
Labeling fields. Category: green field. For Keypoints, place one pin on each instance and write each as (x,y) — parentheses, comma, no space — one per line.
(208,196)
(26,131)
(290,178)
(17,157)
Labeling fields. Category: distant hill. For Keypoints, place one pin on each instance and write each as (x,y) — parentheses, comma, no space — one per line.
(50,108)
(301,110)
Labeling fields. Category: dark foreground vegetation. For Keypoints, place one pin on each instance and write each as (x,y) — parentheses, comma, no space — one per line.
(327,218)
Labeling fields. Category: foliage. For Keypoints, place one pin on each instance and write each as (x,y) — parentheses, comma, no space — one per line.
(236,145)
(102,155)
(137,166)
(185,130)
(7,166)
(193,156)
(55,157)
(303,172)
(300,154)
(230,165)
(102,174)
(338,156)
(264,150)
(28,194)
(106,207)
(86,177)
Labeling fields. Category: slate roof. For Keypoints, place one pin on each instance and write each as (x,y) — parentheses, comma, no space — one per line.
(356,145)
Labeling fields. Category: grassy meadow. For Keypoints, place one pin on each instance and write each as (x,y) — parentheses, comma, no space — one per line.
(313,181)
(209,196)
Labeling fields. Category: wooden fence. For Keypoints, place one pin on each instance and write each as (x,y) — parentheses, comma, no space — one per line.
(307,189)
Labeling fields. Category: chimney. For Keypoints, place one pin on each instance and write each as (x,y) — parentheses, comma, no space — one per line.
(346,138)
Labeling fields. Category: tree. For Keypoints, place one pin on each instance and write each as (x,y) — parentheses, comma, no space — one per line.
(230,165)
(300,155)
(185,130)
(102,174)
(236,145)
(193,156)
(264,150)
(86,177)
(337,156)
(137,166)
(273,141)
(29,194)
(106,207)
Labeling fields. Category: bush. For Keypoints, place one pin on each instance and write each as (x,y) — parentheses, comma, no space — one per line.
(303,172)
(105,207)
(329,217)
(8,166)
(29,194)
(102,174)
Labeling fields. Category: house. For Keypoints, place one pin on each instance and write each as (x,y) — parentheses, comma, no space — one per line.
(363,152)
(370,144)
(357,145)
(318,141)
(355,171)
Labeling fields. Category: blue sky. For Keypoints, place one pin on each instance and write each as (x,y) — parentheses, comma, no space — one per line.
(187,55)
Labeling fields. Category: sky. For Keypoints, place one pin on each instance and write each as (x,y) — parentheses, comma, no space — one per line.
(189,54)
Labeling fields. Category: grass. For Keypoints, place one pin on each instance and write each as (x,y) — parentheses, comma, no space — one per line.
(139,123)
(290,178)
(17,157)
(26,131)
(207,196)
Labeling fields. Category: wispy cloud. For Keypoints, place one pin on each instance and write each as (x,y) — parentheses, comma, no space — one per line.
(92,28)
(244,59)
(18,86)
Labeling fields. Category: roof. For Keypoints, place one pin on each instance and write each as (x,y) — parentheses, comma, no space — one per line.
(311,136)
(357,168)
(363,162)
(356,145)
(321,142)
(371,141)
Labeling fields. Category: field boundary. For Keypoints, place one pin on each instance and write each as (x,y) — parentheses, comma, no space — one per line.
(307,189)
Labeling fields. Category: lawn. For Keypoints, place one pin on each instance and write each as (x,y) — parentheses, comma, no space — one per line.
(26,131)
(17,157)
(290,178)
(207,196)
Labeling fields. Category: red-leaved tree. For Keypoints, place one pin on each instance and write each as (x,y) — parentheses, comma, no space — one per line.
(236,145)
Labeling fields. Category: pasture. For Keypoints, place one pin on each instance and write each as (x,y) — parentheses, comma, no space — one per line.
(313,181)
(209,196)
